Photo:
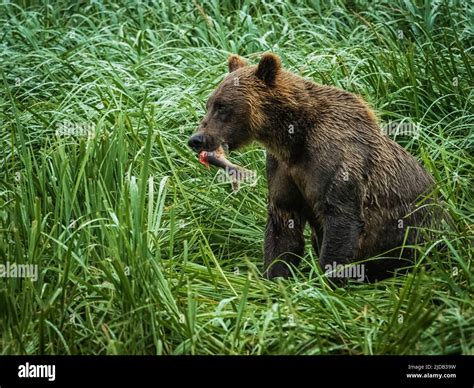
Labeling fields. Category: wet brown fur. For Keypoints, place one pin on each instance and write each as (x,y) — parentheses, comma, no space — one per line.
(328,163)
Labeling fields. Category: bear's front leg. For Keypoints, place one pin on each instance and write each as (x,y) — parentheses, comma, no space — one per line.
(340,241)
(343,225)
(284,242)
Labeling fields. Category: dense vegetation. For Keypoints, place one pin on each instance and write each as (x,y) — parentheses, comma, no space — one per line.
(141,250)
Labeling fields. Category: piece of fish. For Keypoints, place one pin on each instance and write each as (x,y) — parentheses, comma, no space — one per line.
(217,158)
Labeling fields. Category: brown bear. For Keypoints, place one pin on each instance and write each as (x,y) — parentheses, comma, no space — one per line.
(328,164)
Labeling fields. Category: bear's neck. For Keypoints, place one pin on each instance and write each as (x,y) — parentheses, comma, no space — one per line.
(286,130)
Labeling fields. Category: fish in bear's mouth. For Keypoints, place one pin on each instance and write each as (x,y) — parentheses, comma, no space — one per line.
(218,158)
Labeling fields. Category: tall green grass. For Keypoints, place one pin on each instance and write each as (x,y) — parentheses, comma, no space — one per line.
(140,250)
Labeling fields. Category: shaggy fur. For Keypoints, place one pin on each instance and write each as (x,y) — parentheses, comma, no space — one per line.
(328,164)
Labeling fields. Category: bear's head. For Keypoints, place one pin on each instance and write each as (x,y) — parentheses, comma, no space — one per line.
(235,111)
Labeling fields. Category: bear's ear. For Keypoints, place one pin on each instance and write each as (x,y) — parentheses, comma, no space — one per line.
(268,68)
(235,62)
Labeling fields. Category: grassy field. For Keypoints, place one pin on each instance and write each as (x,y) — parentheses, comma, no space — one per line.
(141,250)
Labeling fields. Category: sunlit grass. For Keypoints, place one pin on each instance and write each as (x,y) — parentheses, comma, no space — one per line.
(140,250)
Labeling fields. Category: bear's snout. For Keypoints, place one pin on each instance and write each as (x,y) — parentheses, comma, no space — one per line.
(197,142)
